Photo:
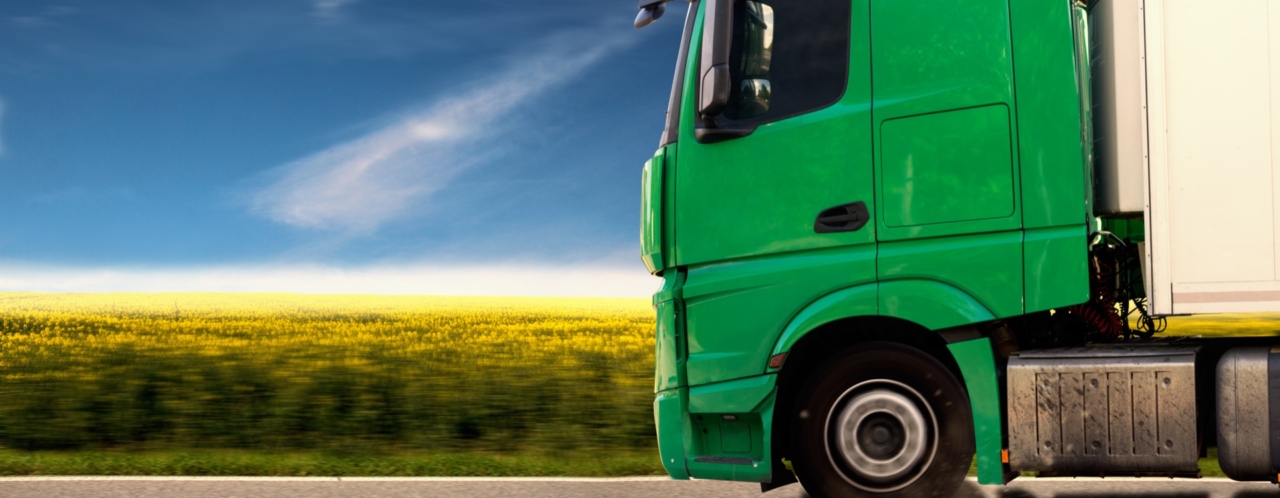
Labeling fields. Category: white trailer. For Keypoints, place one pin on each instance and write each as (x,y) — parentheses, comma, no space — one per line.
(1187,128)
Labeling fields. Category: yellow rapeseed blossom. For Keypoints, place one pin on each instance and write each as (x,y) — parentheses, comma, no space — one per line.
(217,370)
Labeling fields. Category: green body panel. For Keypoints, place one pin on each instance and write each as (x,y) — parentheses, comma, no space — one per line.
(732,419)
(670,420)
(1057,267)
(651,212)
(949,219)
(1084,81)
(857,301)
(671,423)
(760,195)
(737,309)
(930,303)
(978,366)
(923,184)
(735,396)
(984,267)
(669,205)
(729,419)
(745,436)
(757,197)
(669,341)
(943,58)
(964,129)
(1055,147)
(1050,144)
(1130,229)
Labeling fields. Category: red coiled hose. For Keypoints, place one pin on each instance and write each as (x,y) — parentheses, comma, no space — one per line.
(1100,312)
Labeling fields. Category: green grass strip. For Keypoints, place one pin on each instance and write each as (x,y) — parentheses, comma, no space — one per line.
(295,464)
(1209,465)
(248,463)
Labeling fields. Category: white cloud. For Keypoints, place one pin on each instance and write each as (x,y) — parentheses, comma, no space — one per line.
(359,185)
(45,17)
(329,9)
(512,280)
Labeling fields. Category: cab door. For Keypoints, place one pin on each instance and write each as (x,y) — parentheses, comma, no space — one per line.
(950,207)
(773,194)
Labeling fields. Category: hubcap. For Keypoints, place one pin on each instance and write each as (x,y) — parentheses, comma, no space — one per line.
(881,436)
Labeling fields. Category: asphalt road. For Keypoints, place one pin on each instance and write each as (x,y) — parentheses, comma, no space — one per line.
(111,487)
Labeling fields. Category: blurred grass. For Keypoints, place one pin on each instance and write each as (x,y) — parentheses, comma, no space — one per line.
(288,385)
(1228,325)
(1209,465)
(344,374)
(267,463)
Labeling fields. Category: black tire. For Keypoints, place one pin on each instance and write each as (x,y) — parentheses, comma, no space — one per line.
(895,404)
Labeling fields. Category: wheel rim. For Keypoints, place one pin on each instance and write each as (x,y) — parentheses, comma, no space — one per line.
(881,435)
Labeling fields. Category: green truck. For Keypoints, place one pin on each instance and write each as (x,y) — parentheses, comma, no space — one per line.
(899,236)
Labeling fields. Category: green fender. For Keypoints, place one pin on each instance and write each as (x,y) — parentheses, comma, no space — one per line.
(978,366)
(931,304)
(934,305)
(847,303)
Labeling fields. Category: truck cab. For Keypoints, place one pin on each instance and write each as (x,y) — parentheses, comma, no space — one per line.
(887,249)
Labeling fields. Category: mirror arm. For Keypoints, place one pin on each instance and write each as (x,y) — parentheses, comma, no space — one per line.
(649,4)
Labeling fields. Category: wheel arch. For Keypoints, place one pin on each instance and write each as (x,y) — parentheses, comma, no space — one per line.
(928,304)
(909,312)
(809,352)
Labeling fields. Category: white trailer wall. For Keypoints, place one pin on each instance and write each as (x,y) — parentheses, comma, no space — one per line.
(1208,103)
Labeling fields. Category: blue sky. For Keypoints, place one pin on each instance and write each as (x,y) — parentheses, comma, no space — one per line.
(480,147)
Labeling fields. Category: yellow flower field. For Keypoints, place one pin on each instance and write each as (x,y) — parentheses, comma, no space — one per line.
(327,372)
(343,373)
(1250,324)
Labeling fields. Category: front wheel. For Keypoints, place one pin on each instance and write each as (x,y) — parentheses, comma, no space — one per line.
(882,420)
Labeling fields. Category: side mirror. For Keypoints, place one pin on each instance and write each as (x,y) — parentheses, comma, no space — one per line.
(650,12)
(714,70)
(753,98)
(755,91)
(757,39)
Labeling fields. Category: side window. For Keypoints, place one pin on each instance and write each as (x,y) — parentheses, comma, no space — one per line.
(788,57)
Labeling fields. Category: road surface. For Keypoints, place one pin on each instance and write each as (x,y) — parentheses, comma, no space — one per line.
(149,487)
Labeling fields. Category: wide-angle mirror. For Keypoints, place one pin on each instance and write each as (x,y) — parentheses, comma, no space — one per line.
(757,39)
(753,98)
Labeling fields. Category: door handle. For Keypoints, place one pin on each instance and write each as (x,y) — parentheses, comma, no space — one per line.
(843,218)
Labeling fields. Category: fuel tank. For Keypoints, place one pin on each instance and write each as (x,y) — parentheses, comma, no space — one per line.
(1103,410)
(1248,391)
